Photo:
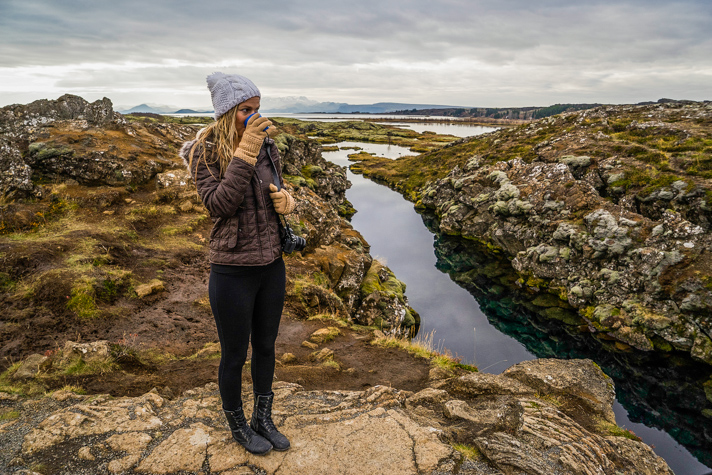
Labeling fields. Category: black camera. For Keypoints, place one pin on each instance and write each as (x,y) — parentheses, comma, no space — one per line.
(290,241)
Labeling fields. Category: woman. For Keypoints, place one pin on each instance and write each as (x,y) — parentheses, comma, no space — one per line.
(231,164)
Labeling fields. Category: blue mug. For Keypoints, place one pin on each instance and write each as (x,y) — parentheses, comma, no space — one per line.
(248,119)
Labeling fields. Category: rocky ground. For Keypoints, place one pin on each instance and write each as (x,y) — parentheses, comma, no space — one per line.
(539,417)
(95,252)
(106,328)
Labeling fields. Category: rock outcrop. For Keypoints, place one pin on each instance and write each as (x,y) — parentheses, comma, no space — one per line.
(527,420)
(304,166)
(654,388)
(72,139)
(606,213)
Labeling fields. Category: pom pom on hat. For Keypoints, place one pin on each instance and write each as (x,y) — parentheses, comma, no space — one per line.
(229,90)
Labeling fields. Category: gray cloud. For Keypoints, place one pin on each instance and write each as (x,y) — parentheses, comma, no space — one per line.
(453,52)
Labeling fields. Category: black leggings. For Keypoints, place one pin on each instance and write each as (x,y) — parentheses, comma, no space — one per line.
(246,301)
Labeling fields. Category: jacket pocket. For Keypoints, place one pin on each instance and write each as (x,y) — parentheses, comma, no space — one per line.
(223,236)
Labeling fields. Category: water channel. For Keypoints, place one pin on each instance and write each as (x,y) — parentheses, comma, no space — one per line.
(474,328)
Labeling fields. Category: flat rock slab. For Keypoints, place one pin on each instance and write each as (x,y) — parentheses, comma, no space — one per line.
(506,427)
(581,380)
(331,432)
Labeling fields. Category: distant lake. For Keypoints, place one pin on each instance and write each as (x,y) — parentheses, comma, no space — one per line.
(453,128)
(454,125)
(337,117)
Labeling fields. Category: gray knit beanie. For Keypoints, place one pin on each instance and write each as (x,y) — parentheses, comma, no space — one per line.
(229,90)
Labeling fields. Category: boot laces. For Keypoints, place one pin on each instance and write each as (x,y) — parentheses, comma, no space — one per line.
(266,420)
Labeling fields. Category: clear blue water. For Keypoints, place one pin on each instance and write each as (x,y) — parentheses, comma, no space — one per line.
(398,237)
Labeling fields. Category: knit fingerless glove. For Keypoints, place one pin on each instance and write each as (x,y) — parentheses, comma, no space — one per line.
(291,204)
(282,200)
(252,139)
(249,148)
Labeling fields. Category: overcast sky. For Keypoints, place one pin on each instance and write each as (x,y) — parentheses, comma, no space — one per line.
(456,52)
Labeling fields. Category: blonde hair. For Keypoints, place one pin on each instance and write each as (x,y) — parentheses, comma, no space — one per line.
(223,135)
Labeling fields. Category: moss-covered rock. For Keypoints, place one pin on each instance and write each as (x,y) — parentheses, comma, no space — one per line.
(605,205)
(384,302)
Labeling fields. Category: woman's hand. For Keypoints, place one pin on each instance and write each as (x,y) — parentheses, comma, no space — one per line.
(283,201)
(257,125)
(252,138)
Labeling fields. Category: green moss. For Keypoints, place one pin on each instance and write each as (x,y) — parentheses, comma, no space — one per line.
(588,312)
(47,150)
(312,170)
(536,282)
(8,414)
(73,389)
(7,385)
(647,180)
(321,279)
(372,282)
(660,344)
(330,363)
(619,125)
(333,332)
(311,184)
(302,281)
(609,428)
(422,347)
(79,367)
(296,181)
(548,300)
(282,141)
(549,398)
(7,284)
(154,262)
(153,210)
(346,209)
(82,301)
(176,230)
(565,316)
(108,290)
(468,451)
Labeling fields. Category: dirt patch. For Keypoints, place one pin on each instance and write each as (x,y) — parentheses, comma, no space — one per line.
(168,328)
(362,365)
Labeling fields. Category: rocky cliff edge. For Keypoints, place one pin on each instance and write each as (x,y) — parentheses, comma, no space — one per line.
(538,417)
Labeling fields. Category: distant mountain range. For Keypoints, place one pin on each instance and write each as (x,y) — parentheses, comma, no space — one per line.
(159,109)
(293,105)
(301,104)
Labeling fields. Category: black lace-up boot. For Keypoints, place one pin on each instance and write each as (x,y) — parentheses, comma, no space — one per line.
(262,422)
(244,435)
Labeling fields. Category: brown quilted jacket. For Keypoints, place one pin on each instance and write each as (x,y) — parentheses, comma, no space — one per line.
(245,224)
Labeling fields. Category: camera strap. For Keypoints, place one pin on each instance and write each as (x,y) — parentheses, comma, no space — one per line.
(275,175)
(275,178)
